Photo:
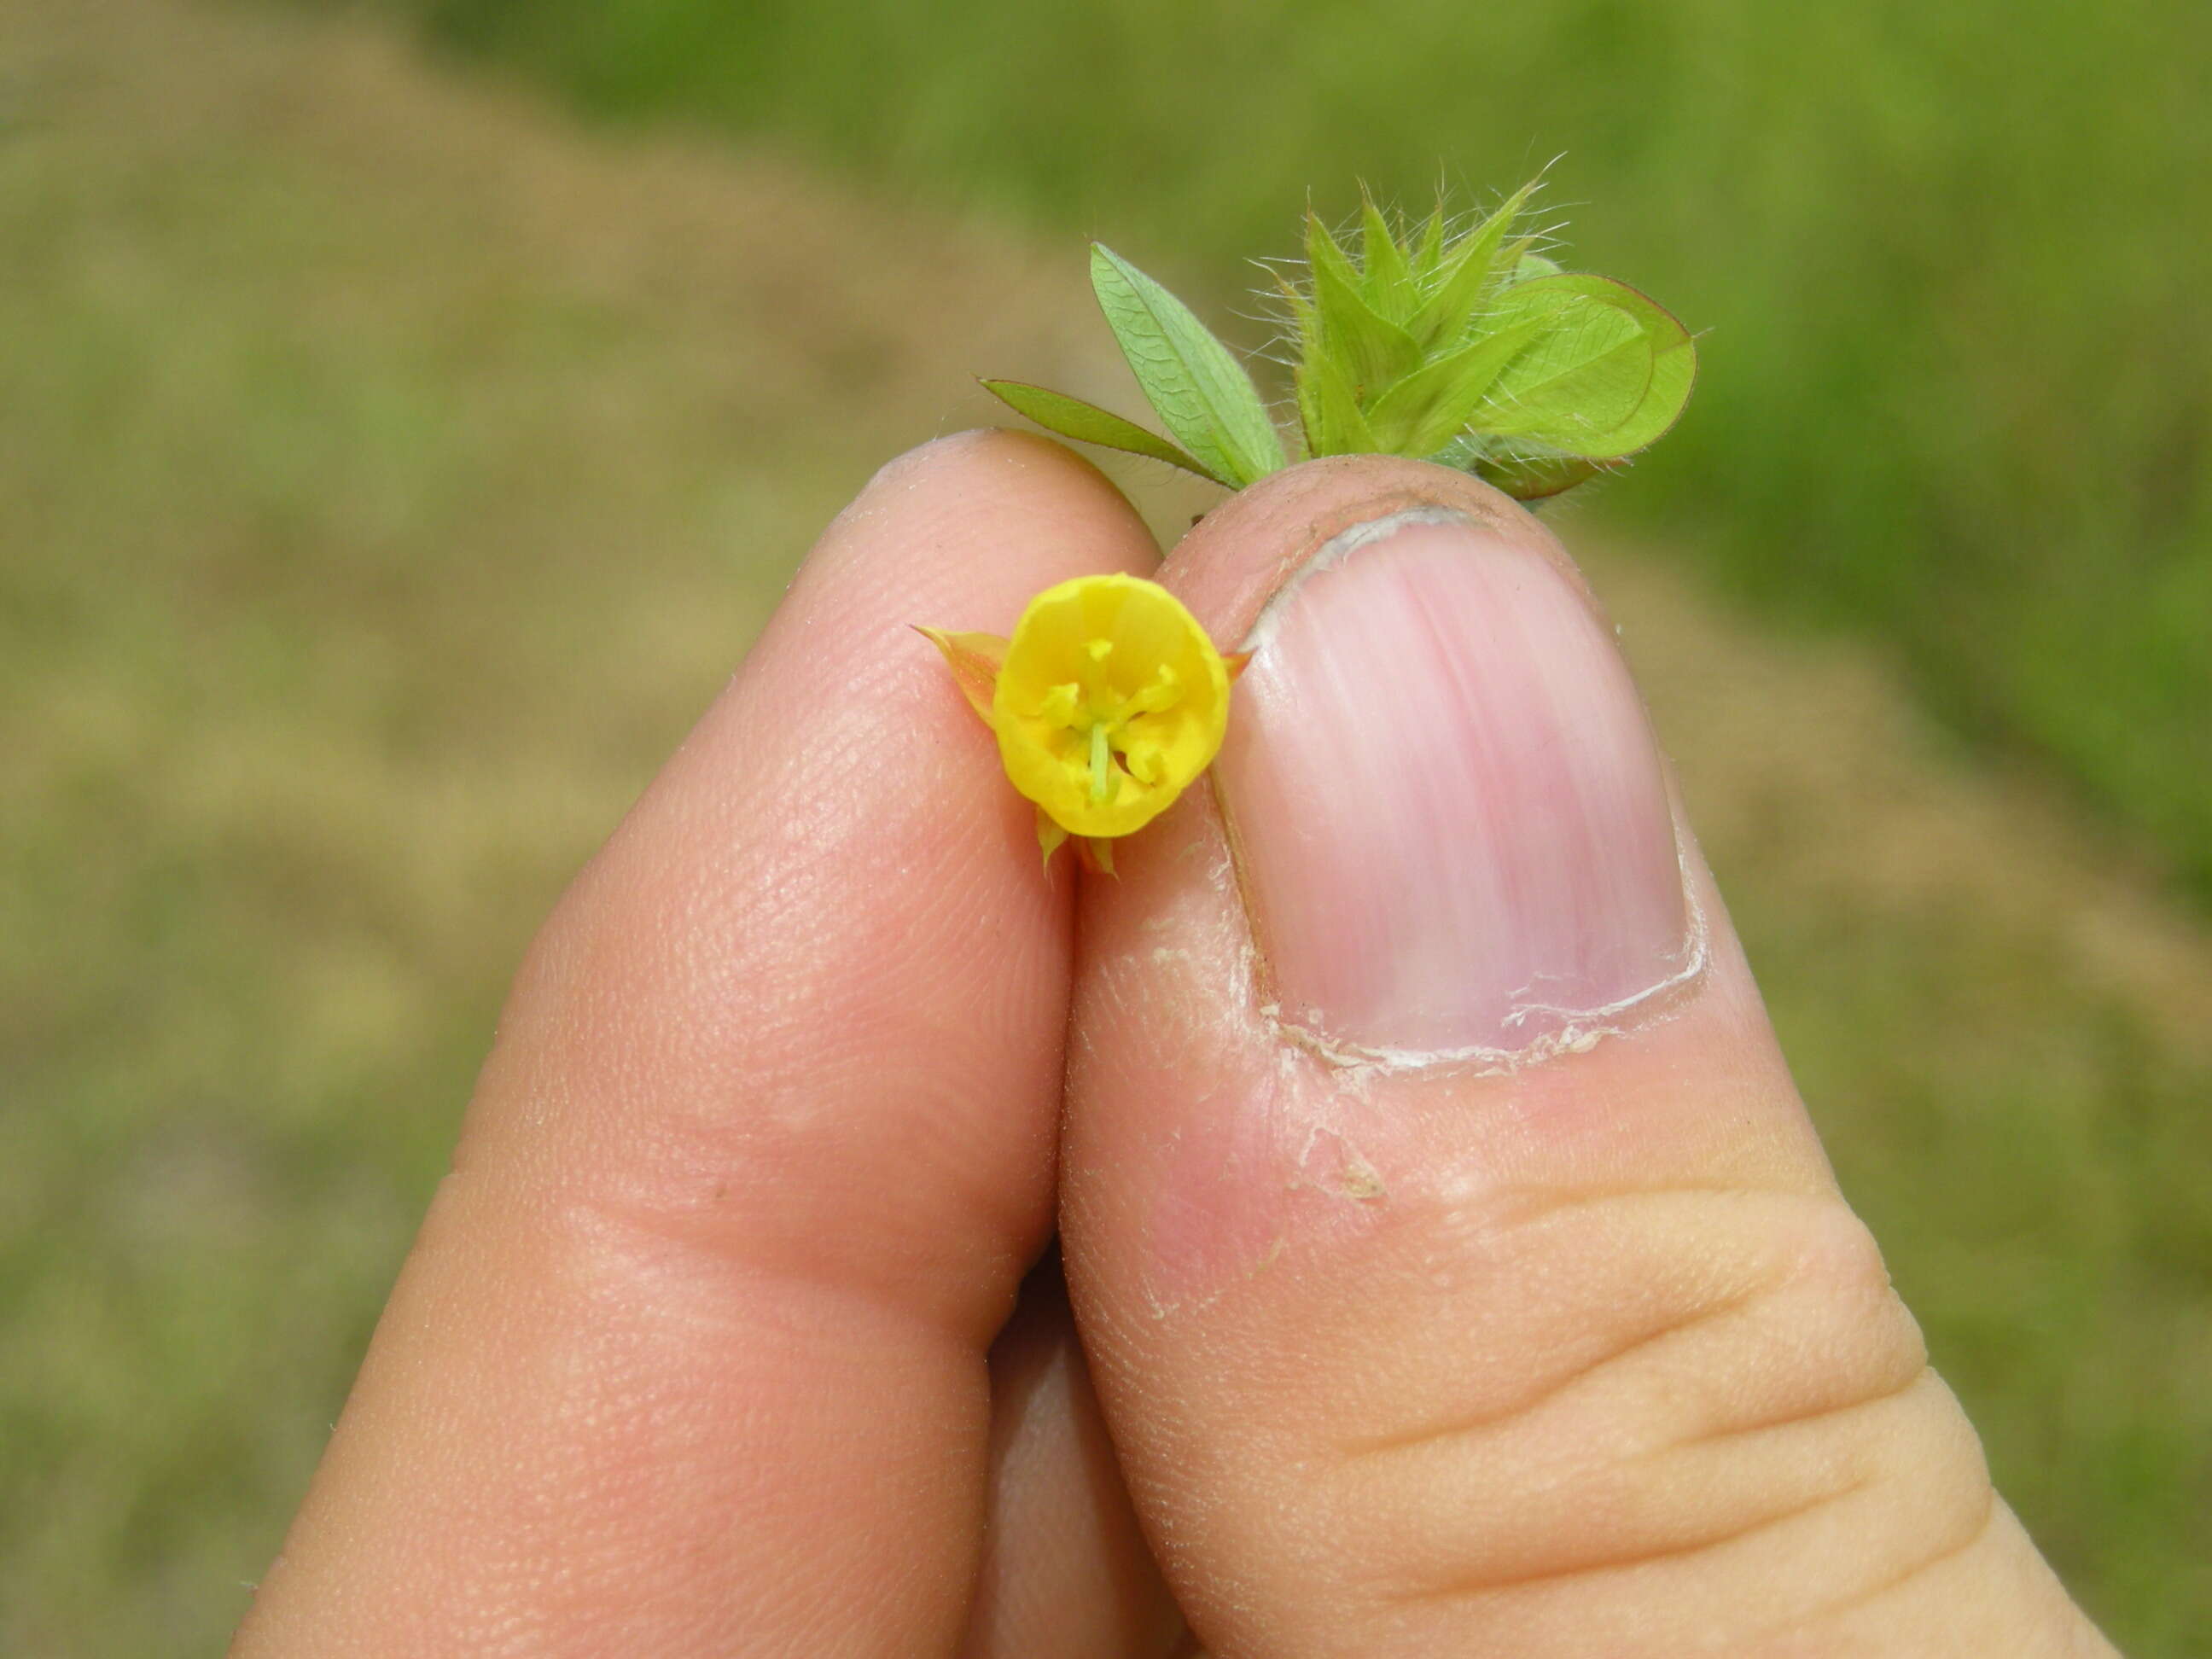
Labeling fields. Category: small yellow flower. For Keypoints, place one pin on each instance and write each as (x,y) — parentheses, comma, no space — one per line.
(1108,701)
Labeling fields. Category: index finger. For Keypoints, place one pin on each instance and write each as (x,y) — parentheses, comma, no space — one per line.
(688,1357)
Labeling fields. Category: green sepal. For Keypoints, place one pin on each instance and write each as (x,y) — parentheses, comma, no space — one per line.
(1471,264)
(1534,478)
(1386,280)
(1329,408)
(1071,417)
(1372,351)
(1435,404)
(1429,253)
(1202,393)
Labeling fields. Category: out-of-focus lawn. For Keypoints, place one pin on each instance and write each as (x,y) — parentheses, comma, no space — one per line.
(389,471)
(1957,393)
(386,479)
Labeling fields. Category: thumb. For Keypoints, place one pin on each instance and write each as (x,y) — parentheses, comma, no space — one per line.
(1460,1271)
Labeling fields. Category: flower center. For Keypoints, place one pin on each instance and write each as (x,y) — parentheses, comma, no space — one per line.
(1102,732)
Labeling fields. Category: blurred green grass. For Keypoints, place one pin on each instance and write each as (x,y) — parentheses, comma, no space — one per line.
(392,470)
(1958,388)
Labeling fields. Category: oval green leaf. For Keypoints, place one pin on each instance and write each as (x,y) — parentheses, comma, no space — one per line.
(1609,372)
(1201,392)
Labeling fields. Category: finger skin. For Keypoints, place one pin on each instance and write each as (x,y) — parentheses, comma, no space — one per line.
(1583,1357)
(689,1357)
(1065,1569)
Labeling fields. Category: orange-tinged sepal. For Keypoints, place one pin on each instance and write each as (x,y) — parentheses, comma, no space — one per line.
(974,660)
(1050,835)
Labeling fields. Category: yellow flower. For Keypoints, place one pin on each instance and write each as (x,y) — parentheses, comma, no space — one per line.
(1107,701)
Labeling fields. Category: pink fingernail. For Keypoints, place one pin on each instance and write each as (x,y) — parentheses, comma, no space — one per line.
(1448,801)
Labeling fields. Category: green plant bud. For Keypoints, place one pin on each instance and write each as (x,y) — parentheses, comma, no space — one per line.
(1475,350)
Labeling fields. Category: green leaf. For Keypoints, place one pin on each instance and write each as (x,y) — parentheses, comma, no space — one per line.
(1330,410)
(1467,262)
(1071,417)
(1673,370)
(1372,350)
(1608,373)
(1582,375)
(1200,391)
(1434,405)
(1386,280)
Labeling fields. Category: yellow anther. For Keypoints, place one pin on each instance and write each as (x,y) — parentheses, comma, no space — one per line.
(1059,703)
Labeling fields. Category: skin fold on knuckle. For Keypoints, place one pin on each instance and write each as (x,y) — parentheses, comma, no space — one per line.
(1669,1382)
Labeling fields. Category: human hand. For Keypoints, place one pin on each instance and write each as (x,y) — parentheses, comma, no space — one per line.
(1456,1265)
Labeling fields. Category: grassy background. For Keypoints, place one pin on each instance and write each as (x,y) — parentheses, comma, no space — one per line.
(390,468)
(1959,379)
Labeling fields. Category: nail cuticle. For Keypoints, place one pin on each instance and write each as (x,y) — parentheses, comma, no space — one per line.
(1340,546)
(1584,1031)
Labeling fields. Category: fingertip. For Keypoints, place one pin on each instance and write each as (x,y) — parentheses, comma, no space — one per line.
(1001,463)
(1242,552)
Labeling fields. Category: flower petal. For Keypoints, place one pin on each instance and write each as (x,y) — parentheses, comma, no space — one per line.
(1110,637)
